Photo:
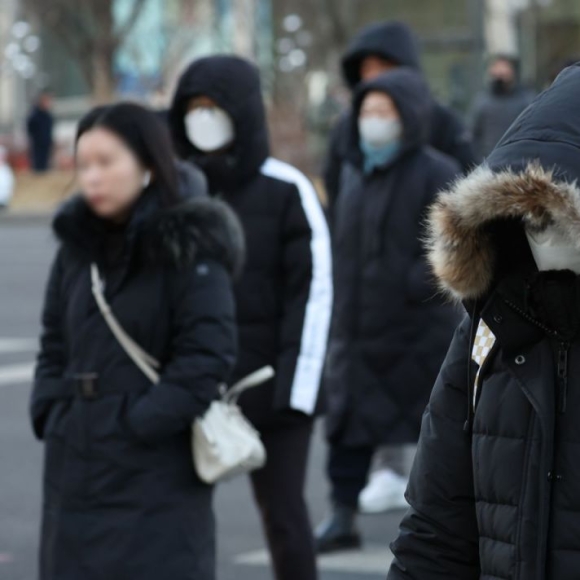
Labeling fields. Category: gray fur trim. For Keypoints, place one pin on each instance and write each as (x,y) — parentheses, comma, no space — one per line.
(200,228)
(460,249)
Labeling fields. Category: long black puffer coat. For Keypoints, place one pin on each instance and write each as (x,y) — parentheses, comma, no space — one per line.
(284,296)
(395,42)
(494,488)
(389,331)
(121,498)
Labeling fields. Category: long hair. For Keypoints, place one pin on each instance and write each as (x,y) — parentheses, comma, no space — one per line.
(147,137)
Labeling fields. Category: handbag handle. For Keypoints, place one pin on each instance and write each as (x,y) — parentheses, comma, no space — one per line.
(252,380)
(146,362)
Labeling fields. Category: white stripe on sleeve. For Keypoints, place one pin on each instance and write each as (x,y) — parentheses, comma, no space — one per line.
(310,363)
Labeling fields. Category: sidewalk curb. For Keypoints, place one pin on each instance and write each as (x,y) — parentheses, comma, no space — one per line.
(22,218)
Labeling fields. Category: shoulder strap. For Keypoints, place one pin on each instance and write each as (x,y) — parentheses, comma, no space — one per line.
(142,359)
(145,361)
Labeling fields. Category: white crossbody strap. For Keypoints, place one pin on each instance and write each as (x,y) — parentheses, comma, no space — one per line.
(145,361)
(142,359)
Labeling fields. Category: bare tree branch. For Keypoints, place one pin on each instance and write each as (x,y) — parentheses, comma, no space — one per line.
(132,19)
(339,29)
(86,30)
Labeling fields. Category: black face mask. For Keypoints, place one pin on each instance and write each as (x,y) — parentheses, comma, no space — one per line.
(500,86)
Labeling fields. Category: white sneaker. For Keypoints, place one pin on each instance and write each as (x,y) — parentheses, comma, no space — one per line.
(384,492)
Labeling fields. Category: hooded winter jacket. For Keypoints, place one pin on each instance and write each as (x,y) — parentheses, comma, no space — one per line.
(395,42)
(494,488)
(492,116)
(121,496)
(284,297)
(390,331)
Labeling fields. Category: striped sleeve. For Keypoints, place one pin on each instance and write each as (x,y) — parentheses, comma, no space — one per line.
(308,295)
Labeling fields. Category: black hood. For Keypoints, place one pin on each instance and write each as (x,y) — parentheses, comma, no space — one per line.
(393,41)
(411,95)
(530,179)
(547,132)
(234,84)
(197,227)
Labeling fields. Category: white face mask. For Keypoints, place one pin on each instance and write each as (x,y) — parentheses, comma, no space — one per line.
(209,128)
(378,131)
(552,250)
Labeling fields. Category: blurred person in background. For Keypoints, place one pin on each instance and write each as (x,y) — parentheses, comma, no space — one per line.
(121,495)
(499,105)
(284,297)
(390,331)
(6,179)
(39,128)
(377,49)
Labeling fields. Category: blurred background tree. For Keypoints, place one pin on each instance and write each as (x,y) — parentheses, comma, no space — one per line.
(98,50)
(88,31)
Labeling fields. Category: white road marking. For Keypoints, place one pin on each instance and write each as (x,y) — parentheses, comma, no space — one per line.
(370,560)
(11,345)
(15,374)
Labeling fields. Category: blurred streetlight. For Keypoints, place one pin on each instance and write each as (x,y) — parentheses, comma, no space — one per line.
(292,23)
(16,54)
(31,43)
(285,45)
(20,29)
(292,47)
(297,58)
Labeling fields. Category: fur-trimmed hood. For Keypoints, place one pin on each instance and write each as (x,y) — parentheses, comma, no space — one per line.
(199,227)
(463,245)
(476,228)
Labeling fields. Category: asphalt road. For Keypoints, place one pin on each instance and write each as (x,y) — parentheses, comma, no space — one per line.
(26,249)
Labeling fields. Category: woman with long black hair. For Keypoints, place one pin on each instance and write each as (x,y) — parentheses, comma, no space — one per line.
(121,496)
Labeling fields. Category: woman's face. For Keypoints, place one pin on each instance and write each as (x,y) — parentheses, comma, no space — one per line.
(110,175)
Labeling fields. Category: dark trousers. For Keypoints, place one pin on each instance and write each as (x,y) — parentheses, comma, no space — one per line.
(349,468)
(279,493)
(40,157)
(348,471)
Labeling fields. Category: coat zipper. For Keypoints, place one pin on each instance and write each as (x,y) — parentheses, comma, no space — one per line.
(551,459)
(564,349)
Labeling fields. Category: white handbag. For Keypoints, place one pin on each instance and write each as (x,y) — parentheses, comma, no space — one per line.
(224,442)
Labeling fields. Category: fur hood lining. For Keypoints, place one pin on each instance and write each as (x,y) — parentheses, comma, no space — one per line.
(198,228)
(461,247)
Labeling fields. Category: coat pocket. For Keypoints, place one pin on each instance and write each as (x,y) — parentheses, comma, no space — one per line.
(119,460)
